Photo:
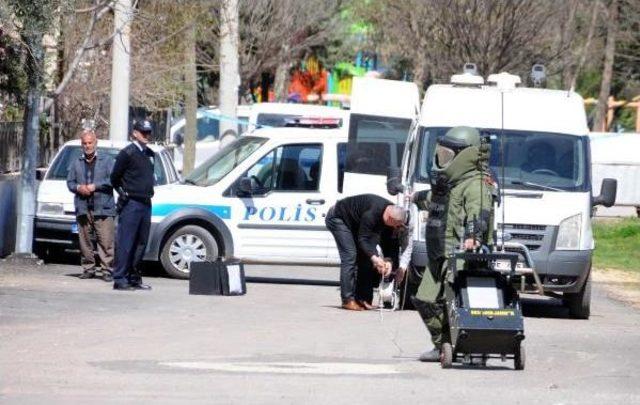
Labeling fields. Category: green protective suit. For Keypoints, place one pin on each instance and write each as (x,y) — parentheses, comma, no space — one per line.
(460,206)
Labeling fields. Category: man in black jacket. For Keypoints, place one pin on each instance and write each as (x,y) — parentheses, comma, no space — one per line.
(356,224)
(133,179)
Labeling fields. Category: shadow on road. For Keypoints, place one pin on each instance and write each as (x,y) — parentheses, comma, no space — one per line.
(544,308)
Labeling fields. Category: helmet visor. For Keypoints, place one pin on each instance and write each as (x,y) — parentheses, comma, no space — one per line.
(444,155)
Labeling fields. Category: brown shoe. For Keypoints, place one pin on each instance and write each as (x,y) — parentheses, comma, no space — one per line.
(365,305)
(351,305)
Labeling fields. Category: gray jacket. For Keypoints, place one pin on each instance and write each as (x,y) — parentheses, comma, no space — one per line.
(103,202)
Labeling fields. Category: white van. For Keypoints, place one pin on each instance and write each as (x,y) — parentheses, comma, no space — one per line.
(208,132)
(616,156)
(262,198)
(383,113)
(542,137)
(276,115)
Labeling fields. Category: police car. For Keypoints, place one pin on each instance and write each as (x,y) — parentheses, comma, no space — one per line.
(262,198)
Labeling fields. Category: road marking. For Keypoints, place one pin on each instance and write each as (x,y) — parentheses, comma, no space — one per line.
(288,367)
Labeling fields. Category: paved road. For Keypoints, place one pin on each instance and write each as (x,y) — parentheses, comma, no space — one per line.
(62,340)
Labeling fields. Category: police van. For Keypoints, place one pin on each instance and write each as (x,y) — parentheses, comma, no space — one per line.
(264,197)
(540,154)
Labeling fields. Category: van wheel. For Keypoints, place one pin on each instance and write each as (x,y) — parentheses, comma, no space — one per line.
(580,303)
(188,243)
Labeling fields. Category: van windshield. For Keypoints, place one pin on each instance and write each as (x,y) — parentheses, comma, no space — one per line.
(532,160)
(224,161)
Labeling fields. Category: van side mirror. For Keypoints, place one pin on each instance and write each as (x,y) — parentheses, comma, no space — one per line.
(245,189)
(178,139)
(394,182)
(608,192)
(40,174)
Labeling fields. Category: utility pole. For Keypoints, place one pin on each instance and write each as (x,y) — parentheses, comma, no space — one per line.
(229,70)
(119,111)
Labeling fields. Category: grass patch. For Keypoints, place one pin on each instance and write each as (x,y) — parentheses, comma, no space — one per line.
(617,244)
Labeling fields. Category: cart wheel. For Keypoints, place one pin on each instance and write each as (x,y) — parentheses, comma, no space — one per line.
(446,355)
(519,358)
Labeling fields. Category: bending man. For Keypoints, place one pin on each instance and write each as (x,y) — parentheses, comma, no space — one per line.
(356,224)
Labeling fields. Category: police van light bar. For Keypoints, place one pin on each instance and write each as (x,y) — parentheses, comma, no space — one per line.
(314,122)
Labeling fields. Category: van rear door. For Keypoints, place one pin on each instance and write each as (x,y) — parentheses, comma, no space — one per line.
(383,112)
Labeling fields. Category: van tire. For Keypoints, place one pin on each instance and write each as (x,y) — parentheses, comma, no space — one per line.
(190,241)
(580,303)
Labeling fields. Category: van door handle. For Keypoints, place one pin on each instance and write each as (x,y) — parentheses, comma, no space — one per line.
(315,202)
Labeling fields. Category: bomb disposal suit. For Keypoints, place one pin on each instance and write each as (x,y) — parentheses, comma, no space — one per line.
(460,208)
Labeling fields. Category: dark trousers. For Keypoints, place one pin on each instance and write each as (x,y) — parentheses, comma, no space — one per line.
(357,277)
(133,231)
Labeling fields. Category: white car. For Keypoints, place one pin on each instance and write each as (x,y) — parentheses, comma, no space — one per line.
(55,222)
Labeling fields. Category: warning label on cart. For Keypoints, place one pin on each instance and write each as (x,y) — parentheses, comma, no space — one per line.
(492,312)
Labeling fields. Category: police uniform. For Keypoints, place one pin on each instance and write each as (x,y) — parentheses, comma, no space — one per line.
(460,200)
(133,178)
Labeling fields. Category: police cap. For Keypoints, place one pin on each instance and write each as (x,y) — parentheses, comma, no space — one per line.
(143,126)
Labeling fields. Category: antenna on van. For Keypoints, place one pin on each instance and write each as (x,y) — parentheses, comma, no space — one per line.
(502,183)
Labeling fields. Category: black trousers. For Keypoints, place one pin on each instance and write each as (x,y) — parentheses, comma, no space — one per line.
(357,276)
(131,241)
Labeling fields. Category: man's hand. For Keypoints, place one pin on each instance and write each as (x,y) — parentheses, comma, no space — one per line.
(91,187)
(82,190)
(400,273)
(470,244)
(381,266)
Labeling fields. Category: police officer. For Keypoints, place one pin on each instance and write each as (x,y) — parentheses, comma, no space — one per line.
(460,207)
(133,178)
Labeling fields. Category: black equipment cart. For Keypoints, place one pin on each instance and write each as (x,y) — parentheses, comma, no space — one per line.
(483,310)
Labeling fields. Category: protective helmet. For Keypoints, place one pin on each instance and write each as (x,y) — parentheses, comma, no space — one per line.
(453,142)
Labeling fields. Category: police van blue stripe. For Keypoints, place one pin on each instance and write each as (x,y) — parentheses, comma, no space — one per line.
(223,211)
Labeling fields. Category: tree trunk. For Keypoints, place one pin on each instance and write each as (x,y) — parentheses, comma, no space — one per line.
(27,188)
(420,73)
(587,44)
(607,71)
(229,70)
(565,43)
(281,80)
(191,102)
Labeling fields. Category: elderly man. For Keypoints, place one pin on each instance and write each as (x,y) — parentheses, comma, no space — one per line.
(357,224)
(88,179)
